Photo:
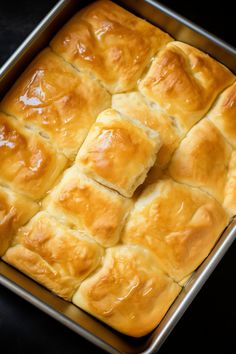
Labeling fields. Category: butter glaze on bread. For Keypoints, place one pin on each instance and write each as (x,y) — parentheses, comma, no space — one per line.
(135,106)
(202,159)
(15,211)
(223,114)
(230,187)
(185,82)
(28,164)
(151,178)
(53,255)
(129,281)
(179,224)
(110,44)
(118,152)
(85,204)
(57,100)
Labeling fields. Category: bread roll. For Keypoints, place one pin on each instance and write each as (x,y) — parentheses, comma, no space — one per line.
(129,293)
(53,255)
(179,224)
(56,100)
(118,152)
(110,44)
(29,165)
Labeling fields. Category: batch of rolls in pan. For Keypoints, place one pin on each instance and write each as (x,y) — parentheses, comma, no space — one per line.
(117,166)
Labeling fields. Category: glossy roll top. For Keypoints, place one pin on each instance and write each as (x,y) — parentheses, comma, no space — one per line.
(88,206)
(184,82)
(29,165)
(118,152)
(179,224)
(54,255)
(56,100)
(110,44)
(129,292)
(15,211)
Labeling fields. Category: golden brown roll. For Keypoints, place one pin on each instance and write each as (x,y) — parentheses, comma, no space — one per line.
(202,159)
(129,292)
(28,164)
(230,188)
(118,152)
(110,44)
(15,211)
(88,206)
(223,114)
(184,82)
(53,255)
(57,100)
(179,224)
(134,105)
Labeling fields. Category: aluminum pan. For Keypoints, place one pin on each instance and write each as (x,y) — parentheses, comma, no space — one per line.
(65,312)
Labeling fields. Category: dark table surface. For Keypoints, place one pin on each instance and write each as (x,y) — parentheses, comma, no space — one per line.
(208,326)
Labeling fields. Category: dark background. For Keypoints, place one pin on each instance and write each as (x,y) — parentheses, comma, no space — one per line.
(209,324)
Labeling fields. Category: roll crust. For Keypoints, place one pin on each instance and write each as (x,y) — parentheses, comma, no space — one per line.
(28,164)
(56,100)
(179,224)
(15,211)
(110,44)
(185,82)
(223,114)
(230,187)
(134,105)
(54,255)
(128,281)
(118,152)
(88,206)
(202,160)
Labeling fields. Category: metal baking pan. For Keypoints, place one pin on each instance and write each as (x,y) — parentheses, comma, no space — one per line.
(65,312)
